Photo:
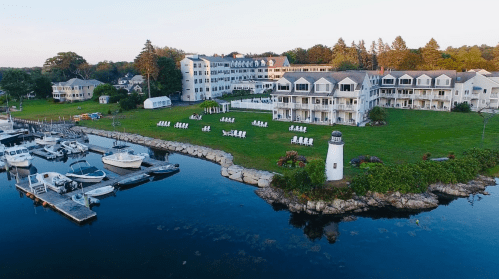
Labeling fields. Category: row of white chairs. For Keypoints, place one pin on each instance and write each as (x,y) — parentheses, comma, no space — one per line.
(206,129)
(227,119)
(163,124)
(196,117)
(234,133)
(260,124)
(181,125)
(298,129)
(302,141)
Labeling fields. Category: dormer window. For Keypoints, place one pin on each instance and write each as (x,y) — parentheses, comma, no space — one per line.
(283,86)
(301,87)
(346,87)
(405,81)
(322,87)
(388,81)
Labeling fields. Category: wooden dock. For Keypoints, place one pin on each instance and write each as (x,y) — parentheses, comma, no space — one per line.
(63,202)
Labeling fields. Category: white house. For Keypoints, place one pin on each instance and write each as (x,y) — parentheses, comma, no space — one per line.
(74,89)
(157,102)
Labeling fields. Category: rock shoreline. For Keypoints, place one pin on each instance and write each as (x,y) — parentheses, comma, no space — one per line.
(396,200)
(225,160)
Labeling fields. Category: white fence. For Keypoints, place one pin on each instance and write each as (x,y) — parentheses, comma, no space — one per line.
(252,105)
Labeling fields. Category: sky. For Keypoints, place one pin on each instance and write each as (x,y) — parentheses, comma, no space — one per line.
(32,31)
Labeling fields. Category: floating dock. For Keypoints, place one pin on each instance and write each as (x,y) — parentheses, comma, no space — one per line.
(75,211)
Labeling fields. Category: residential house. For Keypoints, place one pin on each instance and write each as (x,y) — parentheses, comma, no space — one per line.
(74,89)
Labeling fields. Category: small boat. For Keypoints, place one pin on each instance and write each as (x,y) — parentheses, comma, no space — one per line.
(123,159)
(18,156)
(134,179)
(2,152)
(74,147)
(80,198)
(8,138)
(47,139)
(57,182)
(54,150)
(82,171)
(100,191)
(165,169)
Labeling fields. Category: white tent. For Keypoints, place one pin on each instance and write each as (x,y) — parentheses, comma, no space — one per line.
(157,102)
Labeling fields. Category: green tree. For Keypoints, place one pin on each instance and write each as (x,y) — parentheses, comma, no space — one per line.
(398,52)
(319,54)
(431,55)
(169,52)
(66,65)
(496,57)
(364,57)
(316,170)
(17,83)
(377,114)
(472,58)
(146,63)
(301,56)
(104,89)
(42,86)
(412,60)
(373,62)
(169,80)
(291,55)
(343,57)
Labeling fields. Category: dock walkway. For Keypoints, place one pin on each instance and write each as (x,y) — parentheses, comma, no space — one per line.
(63,202)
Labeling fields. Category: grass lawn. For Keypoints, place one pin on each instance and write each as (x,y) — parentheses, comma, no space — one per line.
(408,135)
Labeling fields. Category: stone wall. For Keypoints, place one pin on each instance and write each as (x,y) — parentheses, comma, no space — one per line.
(250,176)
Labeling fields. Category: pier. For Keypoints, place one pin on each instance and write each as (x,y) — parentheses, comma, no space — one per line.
(63,202)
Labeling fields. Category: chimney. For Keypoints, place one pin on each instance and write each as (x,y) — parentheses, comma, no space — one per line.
(234,55)
(382,70)
(223,55)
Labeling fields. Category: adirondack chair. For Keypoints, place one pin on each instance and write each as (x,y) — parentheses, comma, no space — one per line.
(291,128)
(176,125)
(294,140)
(300,140)
(266,124)
(225,133)
(305,141)
(159,123)
(200,117)
(253,123)
(233,119)
(243,135)
(168,124)
(311,142)
(222,119)
(304,129)
(234,134)
(186,125)
(297,128)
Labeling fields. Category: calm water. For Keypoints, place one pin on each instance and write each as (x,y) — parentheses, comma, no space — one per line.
(198,224)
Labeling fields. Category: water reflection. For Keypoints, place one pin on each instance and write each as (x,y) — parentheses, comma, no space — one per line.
(316,227)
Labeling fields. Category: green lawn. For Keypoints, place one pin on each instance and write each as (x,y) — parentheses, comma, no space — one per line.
(408,135)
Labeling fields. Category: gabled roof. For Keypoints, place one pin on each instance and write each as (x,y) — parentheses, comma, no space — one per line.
(79,82)
(463,77)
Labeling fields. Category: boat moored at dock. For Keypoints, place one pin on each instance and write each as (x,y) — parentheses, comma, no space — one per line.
(123,159)
(82,171)
(18,156)
(57,182)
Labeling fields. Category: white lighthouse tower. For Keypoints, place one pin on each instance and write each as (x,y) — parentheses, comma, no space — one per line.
(334,160)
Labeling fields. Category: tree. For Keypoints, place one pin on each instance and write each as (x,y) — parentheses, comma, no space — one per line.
(431,55)
(146,63)
(373,62)
(42,86)
(496,57)
(319,54)
(66,65)
(462,107)
(104,89)
(472,58)
(364,57)
(412,60)
(316,170)
(486,113)
(301,56)
(343,57)
(169,80)
(377,114)
(398,52)
(169,52)
(291,55)
(17,83)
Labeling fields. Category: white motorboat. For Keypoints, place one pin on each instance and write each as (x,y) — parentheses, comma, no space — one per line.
(47,139)
(82,171)
(18,156)
(2,165)
(2,152)
(74,147)
(100,191)
(166,169)
(123,159)
(57,182)
(54,150)
(80,198)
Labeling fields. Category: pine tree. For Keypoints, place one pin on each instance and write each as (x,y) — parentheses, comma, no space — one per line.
(364,57)
(147,63)
(398,53)
(373,62)
(431,55)
(496,57)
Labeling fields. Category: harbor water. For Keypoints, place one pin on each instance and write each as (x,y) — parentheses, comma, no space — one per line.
(198,224)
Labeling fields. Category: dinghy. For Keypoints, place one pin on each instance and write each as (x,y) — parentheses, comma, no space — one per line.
(47,139)
(74,147)
(82,171)
(100,191)
(79,198)
(170,168)
(134,180)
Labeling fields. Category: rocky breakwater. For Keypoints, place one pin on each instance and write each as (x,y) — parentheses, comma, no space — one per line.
(371,200)
(234,172)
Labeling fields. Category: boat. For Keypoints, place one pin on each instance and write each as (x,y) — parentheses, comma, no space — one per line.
(54,150)
(18,156)
(74,147)
(47,139)
(170,168)
(2,152)
(57,182)
(123,159)
(134,179)
(2,165)
(8,138)
(100,191)
(82,171)
(80,198)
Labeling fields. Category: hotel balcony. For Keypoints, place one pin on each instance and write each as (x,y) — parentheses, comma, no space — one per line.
(346,94)
(345,107)
(493,96)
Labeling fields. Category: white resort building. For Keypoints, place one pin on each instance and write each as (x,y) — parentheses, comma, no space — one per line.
(346,97)
(208,77)
(74,90)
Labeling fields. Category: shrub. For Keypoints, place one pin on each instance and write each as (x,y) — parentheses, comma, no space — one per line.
(426,156)
(316,170)
(462,107)
(357,161)
(109,111)
(377,114)
(486,158)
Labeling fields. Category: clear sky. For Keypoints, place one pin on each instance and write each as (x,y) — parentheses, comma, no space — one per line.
(32,31)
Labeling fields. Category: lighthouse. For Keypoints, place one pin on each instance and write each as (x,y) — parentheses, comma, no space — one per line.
(334,159)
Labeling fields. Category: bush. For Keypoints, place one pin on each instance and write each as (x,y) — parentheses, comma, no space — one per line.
(378,115)
(486,158)
(316,170)
(357,162)
(130,102)
(109,111)
(462,107)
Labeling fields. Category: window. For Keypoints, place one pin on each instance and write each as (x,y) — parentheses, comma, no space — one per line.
(346,87)
(322,87)
(485,91)
(438,82)
(441,93)
(302,87)
(457,92)
(283,87)
(447,82)
(466,92)
(405,81)
(335,165)
(388,81)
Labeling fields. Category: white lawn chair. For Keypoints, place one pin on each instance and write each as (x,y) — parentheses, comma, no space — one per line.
(176,125)
(291,128)
(300,140)
(233,119)
(266,124)
(168,124)
(305,141)
(222,119)
(225,133)
(159,124)
(304,129)
(240,135)
(186,125)
(253,123)
(209,129)
(234,134)
(310,142)
(200,117)
(294,140)
(243,135)
(297,128)
(191,117)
